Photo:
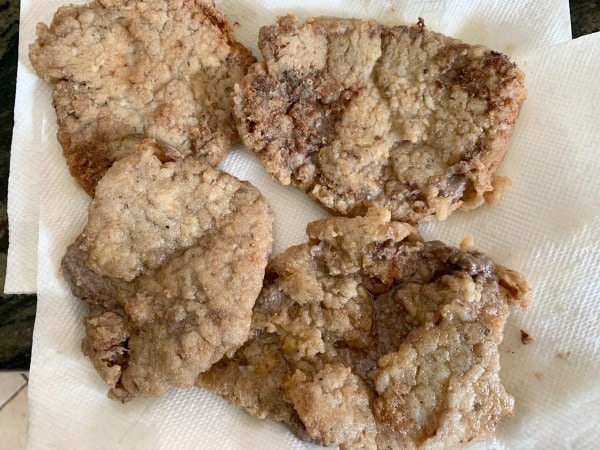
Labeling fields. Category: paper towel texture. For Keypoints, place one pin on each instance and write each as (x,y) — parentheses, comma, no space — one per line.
(547,225)
(512,26)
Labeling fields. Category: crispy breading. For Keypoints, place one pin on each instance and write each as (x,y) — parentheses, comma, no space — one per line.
(366,336)
(124,70)
(172,258)
(359,114)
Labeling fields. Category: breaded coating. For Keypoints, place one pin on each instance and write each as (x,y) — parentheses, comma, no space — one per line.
(366,336)
(359,114)
(124,70)
(172,259)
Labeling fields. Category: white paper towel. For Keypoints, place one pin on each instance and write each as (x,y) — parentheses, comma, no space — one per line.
(546,225)
(511,26)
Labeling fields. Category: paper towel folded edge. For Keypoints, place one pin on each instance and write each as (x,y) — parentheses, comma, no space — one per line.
(23,211)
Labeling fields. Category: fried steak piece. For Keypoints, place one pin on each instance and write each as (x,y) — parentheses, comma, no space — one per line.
(359,114)
(172,260)
(124,70)
(366,336)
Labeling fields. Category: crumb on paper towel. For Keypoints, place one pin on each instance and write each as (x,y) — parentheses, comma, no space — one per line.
(468,243)
(526,338)
(499,183)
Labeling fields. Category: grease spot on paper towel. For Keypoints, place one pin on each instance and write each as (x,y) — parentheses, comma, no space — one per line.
(138,436)
(538,375)
(565,355)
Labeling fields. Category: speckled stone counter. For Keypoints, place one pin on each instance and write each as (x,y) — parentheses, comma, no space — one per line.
(17,312)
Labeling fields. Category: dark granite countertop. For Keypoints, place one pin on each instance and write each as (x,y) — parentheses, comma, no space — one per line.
(17,312)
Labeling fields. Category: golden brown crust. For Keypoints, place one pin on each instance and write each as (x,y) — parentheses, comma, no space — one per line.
(172,258)
(358,114)
(374,338)
(124,70)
